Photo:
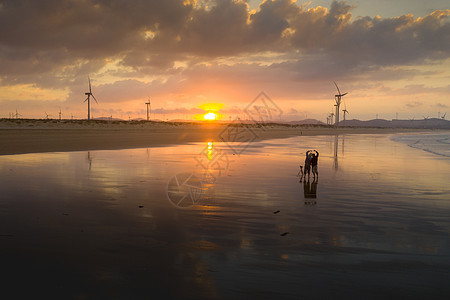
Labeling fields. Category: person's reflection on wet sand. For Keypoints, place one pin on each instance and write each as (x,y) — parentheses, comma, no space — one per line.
(89,159)
(310,191)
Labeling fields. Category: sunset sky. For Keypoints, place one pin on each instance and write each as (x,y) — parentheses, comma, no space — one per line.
(390,56)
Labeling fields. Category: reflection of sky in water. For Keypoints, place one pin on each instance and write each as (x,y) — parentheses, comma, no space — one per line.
(381,215)
(437,143)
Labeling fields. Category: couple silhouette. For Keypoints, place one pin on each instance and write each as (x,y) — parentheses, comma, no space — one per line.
(310,187)
(311,161)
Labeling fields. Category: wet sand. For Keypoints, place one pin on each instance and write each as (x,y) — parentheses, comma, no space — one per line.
(35,136)
(108,224)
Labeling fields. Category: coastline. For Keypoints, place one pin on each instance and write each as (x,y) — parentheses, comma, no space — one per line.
(37,136)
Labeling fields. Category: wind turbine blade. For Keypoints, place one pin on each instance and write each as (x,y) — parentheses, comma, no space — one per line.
(89,79)
(86,99)
(94,98)
(344,94)
(337,88)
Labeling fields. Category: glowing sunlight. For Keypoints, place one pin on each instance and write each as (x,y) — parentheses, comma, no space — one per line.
(210,116)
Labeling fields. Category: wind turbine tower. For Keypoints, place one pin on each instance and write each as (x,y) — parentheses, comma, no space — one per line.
(345,112)
(148,104)
(88,99)
(331,118)
(338,99)
(17,115)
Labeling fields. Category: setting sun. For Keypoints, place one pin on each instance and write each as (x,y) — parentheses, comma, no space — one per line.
(211,112)
(210,116)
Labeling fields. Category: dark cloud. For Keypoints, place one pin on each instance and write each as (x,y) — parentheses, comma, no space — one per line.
(51,35)
(267,25)
(414,104)
(124,89)
(441,105)
(57,43)
(395,41)
(420,89)
(216,31)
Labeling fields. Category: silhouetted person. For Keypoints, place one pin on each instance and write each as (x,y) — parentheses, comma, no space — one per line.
(308,162)
(314,161)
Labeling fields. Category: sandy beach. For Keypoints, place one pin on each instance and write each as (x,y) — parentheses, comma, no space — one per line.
(139,210)
(109,224)
(36,136)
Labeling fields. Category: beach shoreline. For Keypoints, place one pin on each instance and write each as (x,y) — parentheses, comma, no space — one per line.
(37,136)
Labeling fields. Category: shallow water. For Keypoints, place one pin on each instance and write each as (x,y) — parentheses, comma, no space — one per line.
(436,143)
(198,221)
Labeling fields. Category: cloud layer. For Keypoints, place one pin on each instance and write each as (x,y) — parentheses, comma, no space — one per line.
(180,46)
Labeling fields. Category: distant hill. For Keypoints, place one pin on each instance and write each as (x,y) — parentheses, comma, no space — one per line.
(180,120)
(306,122)
(432,123)
(107,119)
(119,119)
(424,123)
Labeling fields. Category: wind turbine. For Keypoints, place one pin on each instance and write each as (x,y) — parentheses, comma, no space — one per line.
(338,99)
(345,112)
(331,118)
(89,94)
(60,113)
(47,115)
(17,115)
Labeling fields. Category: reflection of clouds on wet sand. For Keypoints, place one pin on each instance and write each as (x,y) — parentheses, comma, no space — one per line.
(110,230)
